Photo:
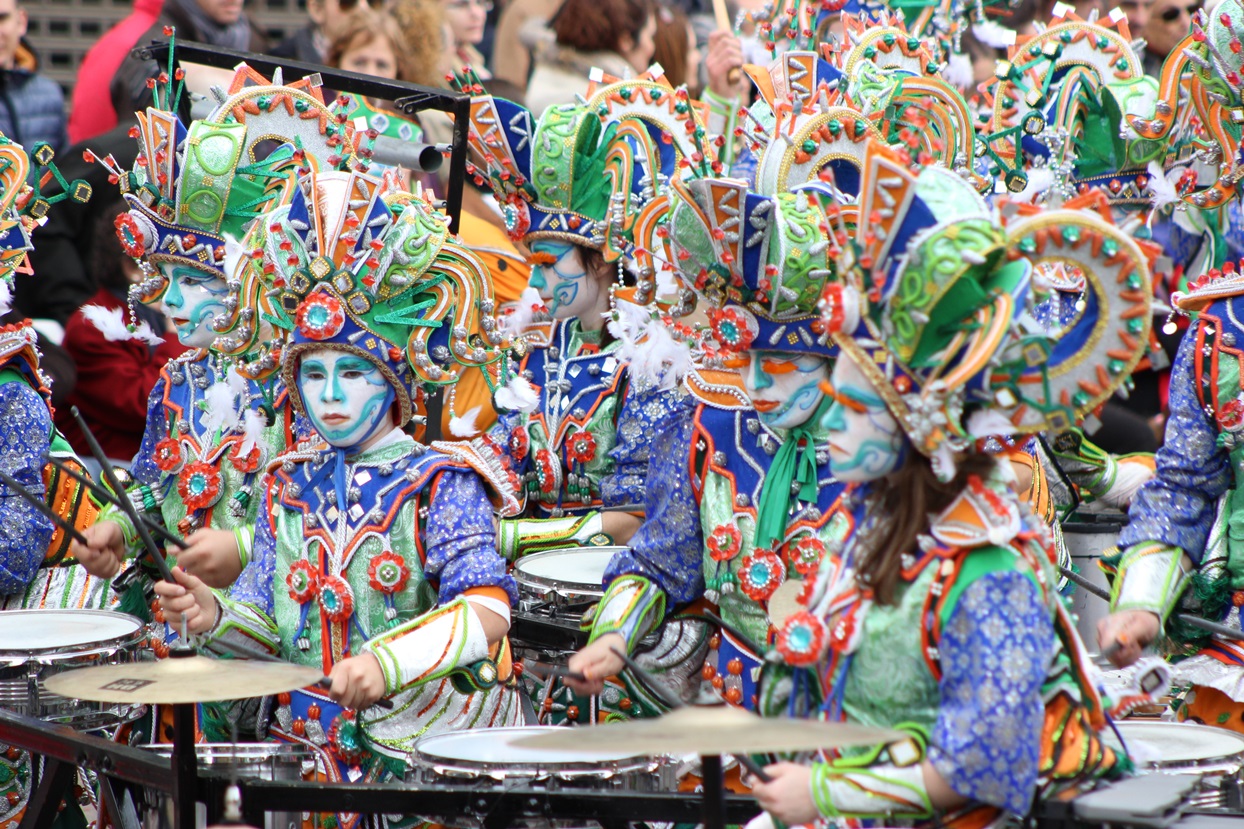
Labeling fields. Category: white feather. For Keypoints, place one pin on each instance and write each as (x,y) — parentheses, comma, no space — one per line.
(111,323)
(1162,189)
(529,303)
(253,425)
(463,426)
(993,34)
(1039,180)
(221,402)
(653,357)
(517,395)
(6,297)
(958,71)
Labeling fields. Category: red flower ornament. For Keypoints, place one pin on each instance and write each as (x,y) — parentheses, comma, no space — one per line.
(581,447)
(320,317)
(760,574)
(336,598)
(805,554)
(725,542)
(801,639)
(198,484)
(520,443)
(303,581)
(732,329)
(547,471)
(167,455)
(388,573)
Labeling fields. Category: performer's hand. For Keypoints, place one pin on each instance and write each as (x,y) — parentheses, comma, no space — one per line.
(212,555)
(106,553)
(788,796)
(1131,630)
(725,52)
(597,662)
(358,682)
(189,598)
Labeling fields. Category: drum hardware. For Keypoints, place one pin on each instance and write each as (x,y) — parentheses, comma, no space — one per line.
(1215,756)
(259,656)
(106,496)
(125,504)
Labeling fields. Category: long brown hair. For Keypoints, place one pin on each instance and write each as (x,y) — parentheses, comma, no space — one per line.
(900,505)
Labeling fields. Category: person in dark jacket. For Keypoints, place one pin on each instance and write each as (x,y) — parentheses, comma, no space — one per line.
(310,43)
(32,106)
(216,22)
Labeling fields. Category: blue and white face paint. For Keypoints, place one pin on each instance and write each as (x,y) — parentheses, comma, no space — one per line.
(785,388)
(346,397)
(865,441)
(562,280)
(194,300)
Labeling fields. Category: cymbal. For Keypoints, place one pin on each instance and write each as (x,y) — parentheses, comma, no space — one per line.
(711,730)
(181,680)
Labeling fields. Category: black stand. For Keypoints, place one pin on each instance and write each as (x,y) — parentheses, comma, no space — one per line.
(185,768)
(714,792)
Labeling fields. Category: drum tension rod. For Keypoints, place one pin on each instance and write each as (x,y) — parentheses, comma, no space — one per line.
(107,496)
(662,694)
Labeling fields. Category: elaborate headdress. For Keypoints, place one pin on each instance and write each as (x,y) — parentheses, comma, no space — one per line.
(362,266)
(584,172)
(23,206)
(193,188)
(941,321)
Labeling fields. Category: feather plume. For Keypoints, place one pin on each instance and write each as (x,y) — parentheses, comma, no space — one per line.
(993,34)
(111,323)
(1039,180)
(958,71)
(221,402)
(253,425)
(654,358)
(524,315)
(463,425)
(517,395)
(1162,189)
(6,297)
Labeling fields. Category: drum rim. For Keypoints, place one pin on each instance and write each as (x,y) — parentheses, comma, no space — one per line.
(19,656)
(577,588)
(208,754)
(1231,763)
(461,767)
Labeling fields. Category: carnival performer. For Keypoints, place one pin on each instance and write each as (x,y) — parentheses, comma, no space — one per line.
(375,558)
(36,567)
(1180,548)
(575,427)
(756,508)
(217,415)
(940,616)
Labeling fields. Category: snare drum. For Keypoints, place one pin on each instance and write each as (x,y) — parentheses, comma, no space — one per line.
(1184,748)
(39,643)
(249,761)
(555,589)
(485,757)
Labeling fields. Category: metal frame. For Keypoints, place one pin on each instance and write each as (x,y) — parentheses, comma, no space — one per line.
(495,806)
(407,97)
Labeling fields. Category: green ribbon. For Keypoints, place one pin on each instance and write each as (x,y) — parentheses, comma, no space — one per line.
(791,463)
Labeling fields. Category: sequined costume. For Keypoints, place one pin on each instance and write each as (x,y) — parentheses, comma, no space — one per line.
(385,550)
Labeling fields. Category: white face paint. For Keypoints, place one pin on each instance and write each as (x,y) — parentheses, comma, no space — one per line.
(865,441)
(785,388)
(194,300)
(348,400)
(565,286)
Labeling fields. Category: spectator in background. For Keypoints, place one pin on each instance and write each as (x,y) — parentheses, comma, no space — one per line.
(116,371)
(216,22)
(32,106)
(613,35)
(1168,23)
(61,280)
(676,50)
(310,43)
(92,112)
(511,56)
(465,21)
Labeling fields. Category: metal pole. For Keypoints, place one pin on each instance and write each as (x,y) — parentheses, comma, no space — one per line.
(185,768)
(714,792)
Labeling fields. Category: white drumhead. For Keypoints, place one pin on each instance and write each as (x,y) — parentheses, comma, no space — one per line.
(580,567)
(27,631)
(1170,743)
(491,747)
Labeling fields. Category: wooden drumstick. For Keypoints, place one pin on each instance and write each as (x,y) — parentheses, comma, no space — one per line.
(723,24)
(43,509)
(107,496)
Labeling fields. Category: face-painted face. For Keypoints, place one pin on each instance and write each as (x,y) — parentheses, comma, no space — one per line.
(564,284)
(865,441)
(785,388)
(194,300)
(346,397)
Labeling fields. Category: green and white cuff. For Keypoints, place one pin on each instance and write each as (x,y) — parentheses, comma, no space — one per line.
(1150,577)
(632,606)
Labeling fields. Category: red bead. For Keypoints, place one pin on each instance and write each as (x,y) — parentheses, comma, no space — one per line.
(734,696)
(313,711)
(708,672)
(283,698)
(300,728)
(718,683)
(572,712)
(735,667)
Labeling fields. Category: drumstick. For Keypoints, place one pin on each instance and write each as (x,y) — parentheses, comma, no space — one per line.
(723,24)
(259,656)
(43,509)
(1186,618)
(753,768)
(125,504)
(559,670)
(106,495)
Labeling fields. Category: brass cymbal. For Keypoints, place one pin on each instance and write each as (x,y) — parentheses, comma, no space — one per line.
(711,730)
(181,680)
